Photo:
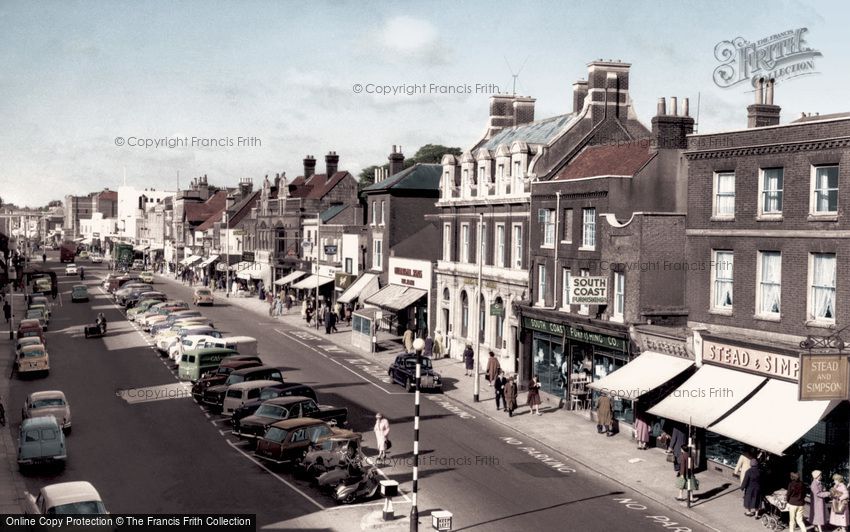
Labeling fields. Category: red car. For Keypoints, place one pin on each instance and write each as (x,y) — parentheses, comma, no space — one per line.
(30,328)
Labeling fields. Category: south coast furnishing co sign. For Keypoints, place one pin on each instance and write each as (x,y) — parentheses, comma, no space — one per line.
(587,290)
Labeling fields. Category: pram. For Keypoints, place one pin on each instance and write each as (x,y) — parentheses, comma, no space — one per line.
(775,505)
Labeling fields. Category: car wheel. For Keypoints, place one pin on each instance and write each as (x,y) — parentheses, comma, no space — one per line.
(408,385)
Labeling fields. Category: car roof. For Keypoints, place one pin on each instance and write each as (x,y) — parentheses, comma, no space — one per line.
(46,394)
(39,422)
(294,423)
(288,385)
(69,492)
(207,350)
(80,286)
(239,339)
(250,384)
(287,400)
(29,340)
(29,323)
(33,347)
(255,369)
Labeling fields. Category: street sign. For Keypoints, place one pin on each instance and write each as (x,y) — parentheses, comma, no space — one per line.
(330,249)
(823,377)
(247,256)
(497,310)
(238,232)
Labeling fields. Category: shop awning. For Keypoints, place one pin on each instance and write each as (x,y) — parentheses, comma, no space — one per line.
(773,419)
(288,278)
(240,266)
(141,247)
(257,272)
(353,292)
(311,282)
(707,396)
(395,297)
(642,375)
(191,259)
(207,261)
(156,247)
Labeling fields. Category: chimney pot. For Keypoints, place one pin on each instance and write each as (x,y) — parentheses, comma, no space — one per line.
(661,110)
(673,106)
(686,107)
(769,92)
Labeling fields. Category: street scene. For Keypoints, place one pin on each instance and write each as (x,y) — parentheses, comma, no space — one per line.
(422,275)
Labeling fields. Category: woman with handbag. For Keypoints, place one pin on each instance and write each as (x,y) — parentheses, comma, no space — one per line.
(382,431)
(685,478)
(840,508)
(533,398)
(817,509)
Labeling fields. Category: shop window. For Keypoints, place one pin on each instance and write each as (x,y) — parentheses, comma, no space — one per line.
(548,352)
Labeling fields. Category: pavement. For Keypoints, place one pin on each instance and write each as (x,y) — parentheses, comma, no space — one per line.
(11,485)
(717,505)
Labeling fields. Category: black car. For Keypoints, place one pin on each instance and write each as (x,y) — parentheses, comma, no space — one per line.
(403,371)
(214,395)
(284,389)
(139,295)
(274,410)
(124,292)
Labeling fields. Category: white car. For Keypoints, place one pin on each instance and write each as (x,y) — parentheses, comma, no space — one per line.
(65,498)
(71,269)
(189,343)
(49,403)
(96,258)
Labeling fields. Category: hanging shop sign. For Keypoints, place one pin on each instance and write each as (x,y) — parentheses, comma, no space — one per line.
(247,256)
(754,360)
(330,249)
(343,280)
(587,290)
(824,377)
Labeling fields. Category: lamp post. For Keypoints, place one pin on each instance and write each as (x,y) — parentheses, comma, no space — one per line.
(418,345)
(476,385)
(13,278)
(318,250)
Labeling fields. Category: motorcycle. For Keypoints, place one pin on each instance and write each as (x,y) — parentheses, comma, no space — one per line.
(364,485)
(332,478)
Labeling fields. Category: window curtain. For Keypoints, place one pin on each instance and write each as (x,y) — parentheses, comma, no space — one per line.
(771,270)
(823,287)
(723,280)
(773,190)
(726,194)
(826,189)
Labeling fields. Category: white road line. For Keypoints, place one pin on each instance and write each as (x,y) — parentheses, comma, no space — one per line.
(308,346)
(361,505)
(275,475)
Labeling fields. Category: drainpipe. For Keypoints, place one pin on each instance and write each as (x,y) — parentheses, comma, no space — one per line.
(555,268)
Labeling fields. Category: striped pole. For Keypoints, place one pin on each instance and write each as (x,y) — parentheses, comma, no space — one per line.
(418,344)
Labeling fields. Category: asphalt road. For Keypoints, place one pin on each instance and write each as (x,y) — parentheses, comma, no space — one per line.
(168,456)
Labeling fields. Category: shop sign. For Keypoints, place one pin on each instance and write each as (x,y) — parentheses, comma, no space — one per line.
(823,377)
(330,249)
(573,333)
(761,362)
(410,272)
(587,290)
(660,344)
(343,280)
(247,256)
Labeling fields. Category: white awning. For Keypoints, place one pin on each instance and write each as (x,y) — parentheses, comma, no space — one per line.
(773,419)
(311,282)
(642,375)
(395,297)
(141,247)
(157,247)
(288,278)
(707,396)
(191,259)
(209,260)
(257,272)
(353,291)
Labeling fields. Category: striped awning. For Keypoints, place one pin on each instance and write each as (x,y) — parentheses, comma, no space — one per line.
(288,278)
(396,297)
(357,287)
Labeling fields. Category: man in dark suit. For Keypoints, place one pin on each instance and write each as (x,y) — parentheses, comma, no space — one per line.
(501,380)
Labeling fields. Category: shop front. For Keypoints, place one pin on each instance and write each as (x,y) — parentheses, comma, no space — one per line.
(745,397)
(407,297)
(567,356)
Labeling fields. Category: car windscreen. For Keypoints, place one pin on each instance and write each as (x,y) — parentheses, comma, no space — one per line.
(73,508)
(273,411)
(236,394)
(33,353)
(411,363)
(234,379)
(47,403)
(275,434)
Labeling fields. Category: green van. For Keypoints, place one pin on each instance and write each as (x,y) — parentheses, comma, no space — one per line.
(194,363)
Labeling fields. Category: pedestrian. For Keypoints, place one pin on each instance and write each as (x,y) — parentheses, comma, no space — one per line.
(308,314)
(382,432)
(500,390)
(510,396)
(641,431)
(685,479)
(742,465)
(796,498)
(408,340)
(428,350)
(44,258)
(469,360)
(338,310)
(604,415)
(437,351)
(817,508)
(278,305)
(840,510)
(348,314)
(533,397)
(330,323)
(288,303)
(326,319)
(270,299)
(677,440)
(493,368)
(7,311)
(752,489)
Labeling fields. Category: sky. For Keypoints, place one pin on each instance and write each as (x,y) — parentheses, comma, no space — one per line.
(84,85)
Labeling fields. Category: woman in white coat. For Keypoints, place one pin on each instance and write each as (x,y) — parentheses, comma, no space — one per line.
(382,430)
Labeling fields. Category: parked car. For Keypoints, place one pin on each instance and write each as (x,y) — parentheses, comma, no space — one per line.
(146,276)
(403,371)
(214,395)
(165,338)
(48,403)
(38,299)
(30,328)
(194,363)
(83,254)
(128,289)
(96,258)
(273,410)
(65,498)
(79,293)
(41,441)
(191,342)
(71,269)
(289,441)
(136,296)
(32,359)
(43,307)
(142,307)
(171,318)
(42,285)
(138,264)
(23,342)
(37,314)
(219,376)
(203,296)
(281,389)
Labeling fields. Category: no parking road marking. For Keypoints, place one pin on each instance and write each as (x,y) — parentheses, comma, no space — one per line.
(661,520)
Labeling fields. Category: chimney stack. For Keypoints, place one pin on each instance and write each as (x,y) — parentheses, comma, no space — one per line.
(396,161)
(331,163)
(608,90)
(246,185)
(501,114)
(670,131)
(523,108)
(579,95)
(309,166)
(763,112)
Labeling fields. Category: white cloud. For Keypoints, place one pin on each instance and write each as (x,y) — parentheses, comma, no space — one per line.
(405,39)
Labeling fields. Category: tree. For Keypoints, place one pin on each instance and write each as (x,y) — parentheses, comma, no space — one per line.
(433,153)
